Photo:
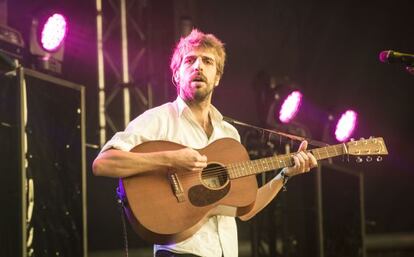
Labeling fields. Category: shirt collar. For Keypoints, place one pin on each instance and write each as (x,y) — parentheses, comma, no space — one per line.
(214,113)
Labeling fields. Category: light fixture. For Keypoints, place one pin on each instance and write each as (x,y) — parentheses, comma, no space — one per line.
(290,106)
(346,125)
(53,32)
(47,40)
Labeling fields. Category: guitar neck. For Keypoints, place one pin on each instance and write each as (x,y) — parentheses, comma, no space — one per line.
(242,169)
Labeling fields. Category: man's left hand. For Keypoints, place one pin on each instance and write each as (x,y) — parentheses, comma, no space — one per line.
(304,161)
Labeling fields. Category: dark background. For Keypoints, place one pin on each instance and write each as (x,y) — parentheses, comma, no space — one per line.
(329,48)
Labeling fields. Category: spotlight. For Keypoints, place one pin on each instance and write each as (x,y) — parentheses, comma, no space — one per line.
(47,37)
(278,99)
(290,106)
(53,32)
(346,125)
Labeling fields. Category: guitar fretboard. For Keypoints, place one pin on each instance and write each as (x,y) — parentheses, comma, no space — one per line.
(247,168)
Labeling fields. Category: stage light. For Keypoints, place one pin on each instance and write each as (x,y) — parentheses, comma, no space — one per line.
(290,106)
(47,40)
(53,32)
(346,125)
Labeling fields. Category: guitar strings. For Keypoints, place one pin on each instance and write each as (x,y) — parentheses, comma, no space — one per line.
(218,171)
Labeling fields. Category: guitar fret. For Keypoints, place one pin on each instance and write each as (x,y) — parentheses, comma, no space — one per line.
(264,165)
(275,162)
(336,151)
(279,162)
(255,167)
(238,169)
(248,170)
(318,154)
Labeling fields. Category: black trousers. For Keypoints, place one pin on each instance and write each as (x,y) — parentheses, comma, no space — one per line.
(164,253)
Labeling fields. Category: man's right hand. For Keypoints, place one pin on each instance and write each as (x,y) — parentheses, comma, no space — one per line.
(188,159)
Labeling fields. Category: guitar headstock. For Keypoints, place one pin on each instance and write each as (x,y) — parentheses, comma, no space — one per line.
(371,146)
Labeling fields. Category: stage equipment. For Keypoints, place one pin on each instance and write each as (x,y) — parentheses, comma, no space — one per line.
(47,36)
(132,57)
(341,211)
(290,106)
(278,99)
(11,43)
(326,206)
(346,125)
(390,56)
(53,32)
(42,161)
(339,127)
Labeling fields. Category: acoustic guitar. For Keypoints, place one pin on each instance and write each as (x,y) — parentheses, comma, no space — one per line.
(167,206)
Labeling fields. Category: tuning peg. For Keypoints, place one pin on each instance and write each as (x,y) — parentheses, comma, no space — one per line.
(369,159)
(352,139)
(362,138)
(379,158)
(359,159)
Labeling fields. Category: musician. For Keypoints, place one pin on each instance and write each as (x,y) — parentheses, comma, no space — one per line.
(197,65)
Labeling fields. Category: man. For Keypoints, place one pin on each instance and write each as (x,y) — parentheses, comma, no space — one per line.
(191,120)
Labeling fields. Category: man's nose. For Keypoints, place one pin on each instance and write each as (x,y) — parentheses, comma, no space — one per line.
(198,64)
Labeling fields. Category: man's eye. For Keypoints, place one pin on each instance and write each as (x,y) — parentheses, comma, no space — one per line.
(208,61)
(189,60)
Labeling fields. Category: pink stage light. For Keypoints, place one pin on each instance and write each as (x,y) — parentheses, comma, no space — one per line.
(290,106)
(346,126)
(53,32)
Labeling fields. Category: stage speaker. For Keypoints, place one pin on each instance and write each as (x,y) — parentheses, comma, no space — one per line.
(342,214)
(322,214)
(42,166)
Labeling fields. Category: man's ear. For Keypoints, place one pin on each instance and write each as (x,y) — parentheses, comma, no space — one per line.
(176,77)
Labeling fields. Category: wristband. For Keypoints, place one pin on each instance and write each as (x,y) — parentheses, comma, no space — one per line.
(285,179)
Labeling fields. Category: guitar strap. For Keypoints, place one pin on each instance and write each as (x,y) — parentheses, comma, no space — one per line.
(276,132)
(121,200)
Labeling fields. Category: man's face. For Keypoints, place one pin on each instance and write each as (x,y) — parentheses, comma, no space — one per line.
(197,75)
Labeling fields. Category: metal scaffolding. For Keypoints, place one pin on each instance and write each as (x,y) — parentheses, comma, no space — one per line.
(124,13)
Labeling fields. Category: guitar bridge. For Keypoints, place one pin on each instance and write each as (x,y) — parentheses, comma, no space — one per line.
(176,187)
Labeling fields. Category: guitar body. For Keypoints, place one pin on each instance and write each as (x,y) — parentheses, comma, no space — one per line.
(168,206)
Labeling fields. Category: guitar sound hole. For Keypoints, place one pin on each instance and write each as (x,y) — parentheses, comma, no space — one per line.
(214,176)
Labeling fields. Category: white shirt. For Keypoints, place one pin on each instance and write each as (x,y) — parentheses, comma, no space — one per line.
(175,122)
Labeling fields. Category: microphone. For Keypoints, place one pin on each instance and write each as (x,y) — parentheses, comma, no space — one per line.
(390,56)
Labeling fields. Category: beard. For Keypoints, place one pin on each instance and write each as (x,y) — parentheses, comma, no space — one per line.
(196,93)
(202,95)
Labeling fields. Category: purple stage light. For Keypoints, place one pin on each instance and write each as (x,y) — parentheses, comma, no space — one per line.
(290,106)
(346,125)
(53,32)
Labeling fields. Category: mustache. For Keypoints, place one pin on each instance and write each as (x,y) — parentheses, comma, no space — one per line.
(198,77)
